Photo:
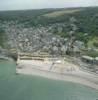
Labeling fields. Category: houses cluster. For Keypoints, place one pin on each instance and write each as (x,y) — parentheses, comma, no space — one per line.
(90,60)
(33,39)
(42,39)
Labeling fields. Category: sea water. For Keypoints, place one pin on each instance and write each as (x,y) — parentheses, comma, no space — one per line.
(26,87)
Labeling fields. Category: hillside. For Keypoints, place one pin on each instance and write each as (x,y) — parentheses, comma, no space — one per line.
(86,18)
(41,27)
(61,12)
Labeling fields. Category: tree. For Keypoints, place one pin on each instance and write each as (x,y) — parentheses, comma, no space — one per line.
(2,37)
(72,36)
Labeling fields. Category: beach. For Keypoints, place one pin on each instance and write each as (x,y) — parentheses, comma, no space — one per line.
(59,71)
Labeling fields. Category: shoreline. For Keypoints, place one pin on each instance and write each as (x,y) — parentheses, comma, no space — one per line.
(79,78)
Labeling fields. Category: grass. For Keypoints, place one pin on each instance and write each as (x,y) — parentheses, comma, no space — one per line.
(91,53)
(92,41)
(22,87)
(60,13)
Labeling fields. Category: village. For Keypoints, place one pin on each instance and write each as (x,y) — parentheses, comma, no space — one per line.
(48,50)
(41,45)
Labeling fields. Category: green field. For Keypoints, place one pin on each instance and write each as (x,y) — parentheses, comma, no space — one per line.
(92,41)
(60,13)
(21,87)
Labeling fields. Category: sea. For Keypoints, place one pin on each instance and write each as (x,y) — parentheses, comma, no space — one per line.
(27,87)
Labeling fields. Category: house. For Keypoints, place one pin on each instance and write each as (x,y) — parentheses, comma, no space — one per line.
(79,44)
(87,59)
(76,51)
(96,60)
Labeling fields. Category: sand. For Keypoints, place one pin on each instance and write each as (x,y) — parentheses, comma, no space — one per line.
(64,71)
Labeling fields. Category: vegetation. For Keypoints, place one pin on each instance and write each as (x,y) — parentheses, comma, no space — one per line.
(2,37)
(87,21)
(60,13)
(92,53)
(93,42)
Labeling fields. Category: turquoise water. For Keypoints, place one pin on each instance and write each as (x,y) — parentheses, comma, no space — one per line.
(22,87)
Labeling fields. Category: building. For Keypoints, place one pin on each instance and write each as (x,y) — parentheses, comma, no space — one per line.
(88,59)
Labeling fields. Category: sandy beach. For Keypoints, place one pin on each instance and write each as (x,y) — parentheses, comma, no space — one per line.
(59,71)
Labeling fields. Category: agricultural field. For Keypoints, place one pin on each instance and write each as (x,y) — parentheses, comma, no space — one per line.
(60,13)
